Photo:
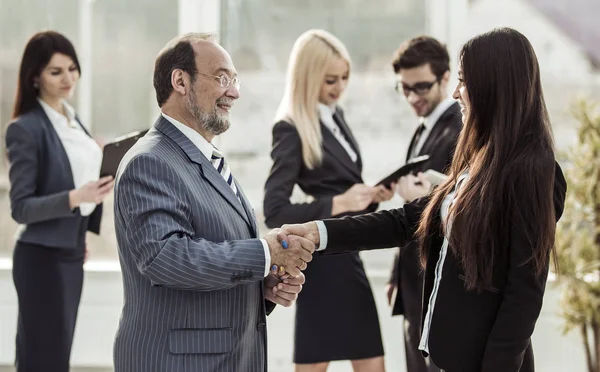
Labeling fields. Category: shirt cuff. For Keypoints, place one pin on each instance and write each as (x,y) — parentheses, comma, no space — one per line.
(267,257)
(322,235)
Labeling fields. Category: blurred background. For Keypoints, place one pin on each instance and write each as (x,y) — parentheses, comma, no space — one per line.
(118,40)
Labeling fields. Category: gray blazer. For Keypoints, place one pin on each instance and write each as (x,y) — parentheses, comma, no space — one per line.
(40,180)
(192,266)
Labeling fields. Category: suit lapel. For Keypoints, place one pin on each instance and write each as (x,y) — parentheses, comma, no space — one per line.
(412,145)
(206,168)
(60,148)
(339,119)
(337,151)
(248,209)
(438,130)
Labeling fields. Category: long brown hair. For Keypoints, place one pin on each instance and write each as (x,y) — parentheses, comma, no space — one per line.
(506,145)
(38,53)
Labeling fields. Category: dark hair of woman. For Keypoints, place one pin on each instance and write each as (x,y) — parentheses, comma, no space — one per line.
(507,148)
(38,52)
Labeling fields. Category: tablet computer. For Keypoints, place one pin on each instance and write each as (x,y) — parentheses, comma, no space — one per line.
(403,170)
(115,150)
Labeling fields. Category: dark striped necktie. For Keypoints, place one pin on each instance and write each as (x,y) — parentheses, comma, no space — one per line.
(218,161)
(418,134)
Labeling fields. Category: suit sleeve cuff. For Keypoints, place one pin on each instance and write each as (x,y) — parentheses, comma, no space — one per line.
(322,235)
(267,256)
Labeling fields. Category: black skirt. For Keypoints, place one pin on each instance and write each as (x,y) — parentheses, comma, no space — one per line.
(336,315)
(48,283)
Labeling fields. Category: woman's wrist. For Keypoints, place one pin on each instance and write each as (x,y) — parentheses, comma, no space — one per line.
(73,199)
(337,205)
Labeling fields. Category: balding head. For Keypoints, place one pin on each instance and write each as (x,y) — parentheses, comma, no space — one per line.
(196,83)
(177,54)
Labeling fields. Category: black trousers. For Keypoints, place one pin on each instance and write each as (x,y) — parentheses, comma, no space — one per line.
(48,283)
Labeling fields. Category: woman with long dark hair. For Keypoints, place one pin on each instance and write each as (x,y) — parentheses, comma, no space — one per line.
(487,233)
(55,197)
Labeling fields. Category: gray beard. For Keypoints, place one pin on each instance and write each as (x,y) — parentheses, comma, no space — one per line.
(210,122)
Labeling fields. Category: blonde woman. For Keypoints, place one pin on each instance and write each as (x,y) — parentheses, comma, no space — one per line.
(313,147)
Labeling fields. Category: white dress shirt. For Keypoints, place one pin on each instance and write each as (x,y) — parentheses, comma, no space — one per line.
(84,154)
(430,121)
(206,148)
(326,116)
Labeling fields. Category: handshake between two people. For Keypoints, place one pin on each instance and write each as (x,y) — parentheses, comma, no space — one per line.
(291,247)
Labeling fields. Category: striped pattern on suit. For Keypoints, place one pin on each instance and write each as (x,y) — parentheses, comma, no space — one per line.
(192,266)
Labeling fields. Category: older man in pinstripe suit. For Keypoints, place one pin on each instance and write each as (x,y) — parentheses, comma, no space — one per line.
(196,279)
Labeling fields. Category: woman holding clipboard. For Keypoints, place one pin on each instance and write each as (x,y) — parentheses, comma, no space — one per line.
(313,147)
(55,197)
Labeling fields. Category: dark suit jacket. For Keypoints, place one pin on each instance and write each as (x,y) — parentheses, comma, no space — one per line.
(470,331)
(41,178)
(406,270)
(334,176)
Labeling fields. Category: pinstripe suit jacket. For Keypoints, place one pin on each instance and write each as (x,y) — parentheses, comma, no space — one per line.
(192,266)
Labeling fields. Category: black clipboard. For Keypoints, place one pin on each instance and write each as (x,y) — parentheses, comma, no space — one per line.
(403,170)
(115,150)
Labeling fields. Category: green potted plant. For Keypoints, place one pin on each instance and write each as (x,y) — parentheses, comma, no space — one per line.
(578,235)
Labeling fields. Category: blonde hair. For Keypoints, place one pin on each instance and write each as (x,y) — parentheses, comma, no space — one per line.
(312,54)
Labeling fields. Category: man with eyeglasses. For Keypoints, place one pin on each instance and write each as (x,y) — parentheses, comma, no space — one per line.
(197,280)
(422,68)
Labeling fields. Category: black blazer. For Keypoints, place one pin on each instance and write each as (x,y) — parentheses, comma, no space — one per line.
(439,145)
(470,331)
(441,141)
(40,180)
(334,176)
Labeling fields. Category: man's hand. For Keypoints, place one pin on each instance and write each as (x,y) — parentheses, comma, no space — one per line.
(306,231)
(413,187)
(289,253)
(383,193)
(283,291)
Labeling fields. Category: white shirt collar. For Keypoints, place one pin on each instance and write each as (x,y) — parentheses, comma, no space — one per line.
(55,116)
(205,147)
(326,115)
(430,120)
(325,110)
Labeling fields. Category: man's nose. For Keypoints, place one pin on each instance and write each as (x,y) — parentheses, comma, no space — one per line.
(412,97)
(233,92)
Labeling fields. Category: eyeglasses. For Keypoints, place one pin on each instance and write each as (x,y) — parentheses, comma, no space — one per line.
(224,80)
(420,88)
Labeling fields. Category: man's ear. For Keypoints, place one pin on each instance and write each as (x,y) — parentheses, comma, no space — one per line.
(444,81)
(180,81)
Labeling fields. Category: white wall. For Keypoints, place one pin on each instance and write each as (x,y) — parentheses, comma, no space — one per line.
(559,57)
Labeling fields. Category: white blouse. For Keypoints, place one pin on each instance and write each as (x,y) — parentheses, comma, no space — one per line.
(326,116)
(85,156)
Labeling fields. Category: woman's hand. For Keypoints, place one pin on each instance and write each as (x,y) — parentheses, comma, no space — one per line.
(355,199)
(91,192)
